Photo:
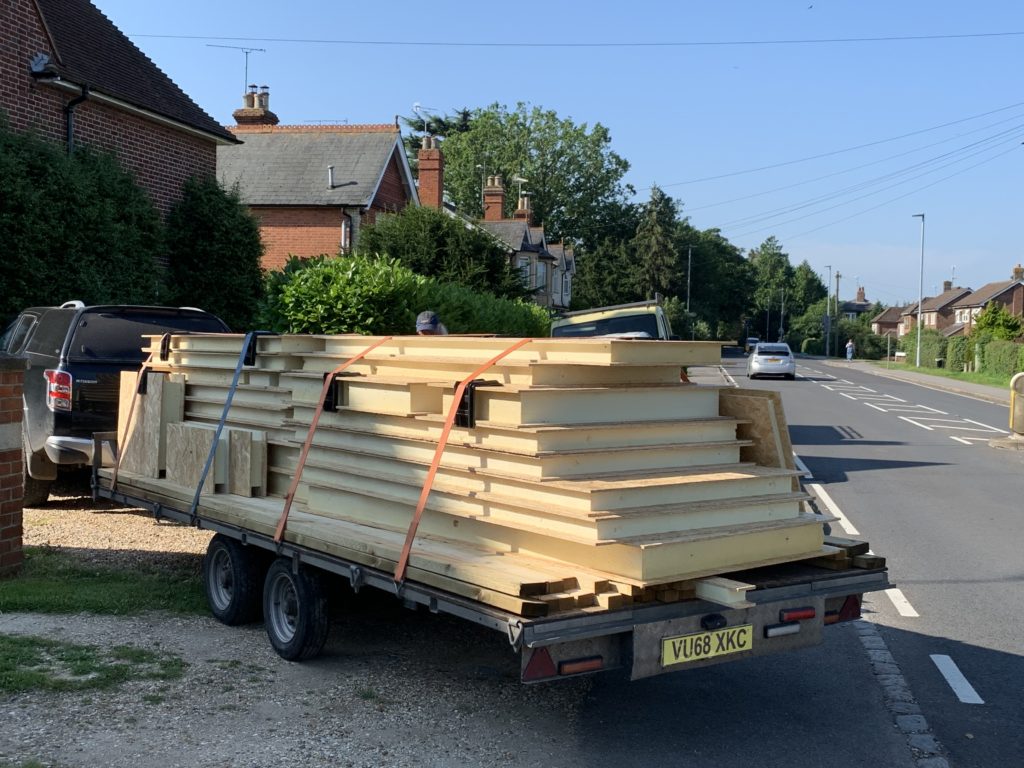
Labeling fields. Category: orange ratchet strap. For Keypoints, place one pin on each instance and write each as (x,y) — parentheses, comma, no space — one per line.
(328,382)
(403,561)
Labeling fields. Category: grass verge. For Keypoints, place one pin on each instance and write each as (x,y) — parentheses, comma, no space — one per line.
(29,663)
(54,581)
(990,379)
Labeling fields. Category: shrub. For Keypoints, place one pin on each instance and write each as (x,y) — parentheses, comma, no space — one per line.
(933,347)
(957,351)
(1001,358)
(378,296)
(214,248)
(812,346)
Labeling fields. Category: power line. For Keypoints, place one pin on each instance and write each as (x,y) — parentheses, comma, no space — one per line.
(610,44)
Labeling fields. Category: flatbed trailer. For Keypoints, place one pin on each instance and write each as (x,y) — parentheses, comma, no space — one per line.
(246,572)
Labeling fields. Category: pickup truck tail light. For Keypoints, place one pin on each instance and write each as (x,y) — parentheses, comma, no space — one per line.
(58,390)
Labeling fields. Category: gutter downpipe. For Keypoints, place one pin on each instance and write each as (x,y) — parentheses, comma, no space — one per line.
(69,116)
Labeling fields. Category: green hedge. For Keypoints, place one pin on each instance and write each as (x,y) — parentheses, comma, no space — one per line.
(1001,358)
(933,347)
(811,346)
(378,296)
(957,353)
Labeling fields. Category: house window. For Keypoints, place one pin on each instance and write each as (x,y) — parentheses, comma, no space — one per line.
(542,276)
(524,270)
(346,233)
(566,288)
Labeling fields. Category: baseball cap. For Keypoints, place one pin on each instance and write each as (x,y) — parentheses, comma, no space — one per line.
(427,321)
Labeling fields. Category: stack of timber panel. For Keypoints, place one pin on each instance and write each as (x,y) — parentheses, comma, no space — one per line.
(592,475)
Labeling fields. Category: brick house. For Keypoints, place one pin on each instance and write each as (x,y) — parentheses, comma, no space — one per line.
(936,311)
(887,322)
(1009,293)
(67,73)
(313,186)
(546,268)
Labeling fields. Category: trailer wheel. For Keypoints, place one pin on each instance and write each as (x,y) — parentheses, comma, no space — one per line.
(232,576)
(295,611)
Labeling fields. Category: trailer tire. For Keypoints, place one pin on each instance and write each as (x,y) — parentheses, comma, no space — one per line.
(295,611)
(232,578)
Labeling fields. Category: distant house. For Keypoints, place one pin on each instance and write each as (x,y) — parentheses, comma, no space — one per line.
(313,186)
(936,311)
(851,310)
(547,269)
(71,76)
(1009,293)
(887,322)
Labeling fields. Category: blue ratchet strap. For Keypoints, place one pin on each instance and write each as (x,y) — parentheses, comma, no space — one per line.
(246,357)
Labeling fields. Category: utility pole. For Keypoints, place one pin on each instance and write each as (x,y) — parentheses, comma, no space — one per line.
(782,314)
(689,261)
(828,309)
(838,275)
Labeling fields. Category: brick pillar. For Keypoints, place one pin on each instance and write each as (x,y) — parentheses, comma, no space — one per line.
(12,375)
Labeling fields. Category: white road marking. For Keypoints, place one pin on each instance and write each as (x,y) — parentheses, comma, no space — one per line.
(970,440)
(993,429)
(846,395)
(922,426)
(963,689)
(900,602)
(876,407)
(844,523)
(960,440)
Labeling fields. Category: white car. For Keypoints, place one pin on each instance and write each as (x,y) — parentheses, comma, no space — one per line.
(771,360)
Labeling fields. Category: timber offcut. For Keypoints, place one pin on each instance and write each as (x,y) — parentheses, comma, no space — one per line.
(571,474)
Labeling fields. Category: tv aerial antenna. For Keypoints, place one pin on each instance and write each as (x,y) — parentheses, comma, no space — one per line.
(246,51)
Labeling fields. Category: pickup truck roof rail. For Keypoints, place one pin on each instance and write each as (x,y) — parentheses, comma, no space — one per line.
(655,302)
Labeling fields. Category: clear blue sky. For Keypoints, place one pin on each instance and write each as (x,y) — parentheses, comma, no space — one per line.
(728,101)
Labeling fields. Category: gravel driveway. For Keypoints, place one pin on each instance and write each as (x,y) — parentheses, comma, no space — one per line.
(392,688)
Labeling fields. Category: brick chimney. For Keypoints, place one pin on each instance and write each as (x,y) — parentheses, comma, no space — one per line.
(431,163)
(1018,273)
(860,295)
(255,108)
(947,285)
(523,211)
(494,199)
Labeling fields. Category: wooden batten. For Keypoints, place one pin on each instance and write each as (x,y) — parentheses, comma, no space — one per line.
(143,448)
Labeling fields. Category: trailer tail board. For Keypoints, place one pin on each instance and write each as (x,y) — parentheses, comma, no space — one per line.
(726,635)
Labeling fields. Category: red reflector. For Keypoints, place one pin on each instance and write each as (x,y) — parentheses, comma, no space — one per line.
(851,609)
(832,617)
(540,666)
(577,666)
(796,614)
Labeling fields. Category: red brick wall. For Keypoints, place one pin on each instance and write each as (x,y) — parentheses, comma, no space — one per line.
(11,378)
(160,158)
(297,231)
(391,195)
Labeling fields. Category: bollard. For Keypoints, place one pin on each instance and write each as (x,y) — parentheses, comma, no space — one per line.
(1016,439)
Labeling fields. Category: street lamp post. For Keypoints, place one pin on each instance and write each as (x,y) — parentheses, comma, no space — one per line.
(689,261)
(828,309)
(920,290)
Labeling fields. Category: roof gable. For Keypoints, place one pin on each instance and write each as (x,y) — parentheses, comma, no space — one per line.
(986,293)
(943,300)
(890,315)
(288,165)
(91,50)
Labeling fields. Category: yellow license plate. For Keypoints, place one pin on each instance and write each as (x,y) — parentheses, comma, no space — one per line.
(706,645)
(774,360)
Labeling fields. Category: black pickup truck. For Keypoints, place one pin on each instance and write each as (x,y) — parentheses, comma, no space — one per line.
(75,355)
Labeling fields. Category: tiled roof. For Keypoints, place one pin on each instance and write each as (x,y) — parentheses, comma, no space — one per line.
(944,300)
(515,233)
(890,315)
(956,329)
(288,165)
(91,50)
(986,293)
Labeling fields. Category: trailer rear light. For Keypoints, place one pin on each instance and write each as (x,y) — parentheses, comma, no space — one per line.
(779,630)
(796,614)
(58,390)
(579,666)
(851,609)
(540,666)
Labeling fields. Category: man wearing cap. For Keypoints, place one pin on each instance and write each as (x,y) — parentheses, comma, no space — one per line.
(429,324)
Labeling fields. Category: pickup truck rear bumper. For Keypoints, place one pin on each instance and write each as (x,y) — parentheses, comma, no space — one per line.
(76,451)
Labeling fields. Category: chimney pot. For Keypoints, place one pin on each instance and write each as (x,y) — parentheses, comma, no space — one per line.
(1018,272)
(431,173)
(947,285)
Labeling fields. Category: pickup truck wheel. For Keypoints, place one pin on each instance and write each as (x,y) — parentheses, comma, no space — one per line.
(295,611)
(232,577)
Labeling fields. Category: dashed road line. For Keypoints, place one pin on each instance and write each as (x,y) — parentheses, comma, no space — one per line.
(901,604)
(963,689)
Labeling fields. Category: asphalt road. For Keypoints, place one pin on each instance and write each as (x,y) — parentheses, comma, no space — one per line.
(911,470)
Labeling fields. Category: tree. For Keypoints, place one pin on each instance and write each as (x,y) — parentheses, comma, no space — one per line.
(432,125)
(214,248)
(656,256)
(805,289)
(772,273)
(574,178)
(997,322)
(434,244)
(603,276)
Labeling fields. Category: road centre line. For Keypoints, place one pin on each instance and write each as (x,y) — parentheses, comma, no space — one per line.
(900,602)
(833,508)
(963,689)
